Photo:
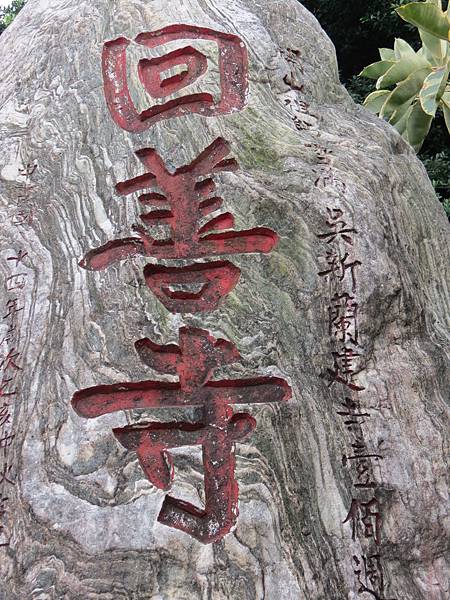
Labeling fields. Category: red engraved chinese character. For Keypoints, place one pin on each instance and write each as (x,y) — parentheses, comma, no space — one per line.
(6,440)
(194,361)
(372,575)
(351,413)
(28,169)
(322,154)
(233,68)
(187,197)
(3,385)
(362,461)
(364,477)
(328,180)
(10,334)
(23,217)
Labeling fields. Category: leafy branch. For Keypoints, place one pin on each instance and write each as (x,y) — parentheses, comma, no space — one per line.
(412,85)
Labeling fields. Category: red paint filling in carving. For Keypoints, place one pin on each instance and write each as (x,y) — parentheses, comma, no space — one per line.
(181,206)
(210,205)
(223,221)
(105,399)
(111,253)
(150,71)
(152,199)
(233,67)
(136,184)
(205,188)
(194,360)
(217,280)
(157,215)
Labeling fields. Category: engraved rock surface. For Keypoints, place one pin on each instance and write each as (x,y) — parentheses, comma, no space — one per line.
(80,521)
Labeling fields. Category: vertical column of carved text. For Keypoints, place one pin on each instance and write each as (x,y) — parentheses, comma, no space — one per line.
(341,272)
(10,373)
(184,200)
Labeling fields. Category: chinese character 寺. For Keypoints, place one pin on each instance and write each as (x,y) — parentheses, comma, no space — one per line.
(352,412)
(194,361)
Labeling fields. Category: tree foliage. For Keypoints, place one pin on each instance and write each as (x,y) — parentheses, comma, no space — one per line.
(358,30)
(412,85)
(8,13)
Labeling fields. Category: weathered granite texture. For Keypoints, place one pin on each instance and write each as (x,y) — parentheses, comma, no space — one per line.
(82,516)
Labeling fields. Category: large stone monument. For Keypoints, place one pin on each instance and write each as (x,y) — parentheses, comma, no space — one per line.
(223,315)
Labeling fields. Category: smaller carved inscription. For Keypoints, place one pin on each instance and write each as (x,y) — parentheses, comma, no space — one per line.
(369,571)
(11,367)
(365,513)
